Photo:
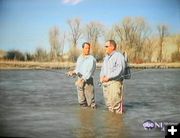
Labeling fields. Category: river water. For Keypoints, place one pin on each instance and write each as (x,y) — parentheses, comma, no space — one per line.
(43,103)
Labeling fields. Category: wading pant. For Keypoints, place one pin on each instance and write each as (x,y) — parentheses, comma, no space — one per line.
(113,95)
(86,96)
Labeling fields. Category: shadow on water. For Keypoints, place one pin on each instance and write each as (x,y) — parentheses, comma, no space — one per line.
(134,105)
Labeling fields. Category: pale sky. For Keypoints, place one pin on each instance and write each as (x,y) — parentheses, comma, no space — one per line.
(25,24)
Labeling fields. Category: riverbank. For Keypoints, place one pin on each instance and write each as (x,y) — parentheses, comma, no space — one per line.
(35,65)
(69,65)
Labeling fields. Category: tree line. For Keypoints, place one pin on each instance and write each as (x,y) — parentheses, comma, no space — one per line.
(133,36)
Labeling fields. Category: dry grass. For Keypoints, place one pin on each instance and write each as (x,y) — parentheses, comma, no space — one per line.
(156,65)
(67,65)
(35,65)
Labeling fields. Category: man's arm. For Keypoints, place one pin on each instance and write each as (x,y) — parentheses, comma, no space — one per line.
(117,69)
(115,72)
(103,78)
(75,71)
(71,73)
(102,71)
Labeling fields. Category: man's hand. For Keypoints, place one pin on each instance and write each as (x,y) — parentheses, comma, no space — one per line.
(80,83)
(71,73)
(104,79)
(101,79)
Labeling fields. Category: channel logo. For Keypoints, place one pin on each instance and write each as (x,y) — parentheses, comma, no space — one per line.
(148,125)
(172,130)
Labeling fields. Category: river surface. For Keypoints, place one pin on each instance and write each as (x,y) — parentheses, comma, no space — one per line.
(43,104)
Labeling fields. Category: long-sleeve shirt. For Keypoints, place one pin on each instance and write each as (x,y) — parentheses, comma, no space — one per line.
(86,66)
(113,65)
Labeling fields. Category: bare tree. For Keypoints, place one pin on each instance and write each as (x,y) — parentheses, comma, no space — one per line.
(147,50)
(132,34)
(110,33)
(75,34)
(54,41)
(93,31)
(57,41)
(62,43)
(163,32)
(40,54)
(175,56)
(75,30)
(178,43)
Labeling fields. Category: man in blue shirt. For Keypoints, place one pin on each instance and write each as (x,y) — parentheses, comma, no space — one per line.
(111,76)
(85,67)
